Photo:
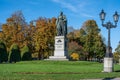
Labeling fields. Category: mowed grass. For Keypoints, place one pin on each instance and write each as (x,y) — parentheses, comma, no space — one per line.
(55,70)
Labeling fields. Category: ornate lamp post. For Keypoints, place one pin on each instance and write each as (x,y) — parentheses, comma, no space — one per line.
(108,60)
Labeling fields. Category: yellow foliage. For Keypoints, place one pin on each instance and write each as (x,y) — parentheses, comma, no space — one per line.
(35,55)
(1,35)
(75,56)
(116,56)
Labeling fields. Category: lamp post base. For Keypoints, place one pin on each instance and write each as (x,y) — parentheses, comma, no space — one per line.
(108,65)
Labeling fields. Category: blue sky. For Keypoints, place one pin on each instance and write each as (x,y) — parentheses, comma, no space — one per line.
(77,12)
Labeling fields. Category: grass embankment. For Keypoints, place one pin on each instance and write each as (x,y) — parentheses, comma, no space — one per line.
(54,70)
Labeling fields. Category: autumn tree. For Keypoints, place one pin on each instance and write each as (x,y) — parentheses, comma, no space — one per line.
(51,33)
(73,46)
(38,35)
(70,36)
(75,43)
(29,36)
(44,35)
(13,29)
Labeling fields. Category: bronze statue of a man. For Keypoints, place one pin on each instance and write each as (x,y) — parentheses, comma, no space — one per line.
(61,23)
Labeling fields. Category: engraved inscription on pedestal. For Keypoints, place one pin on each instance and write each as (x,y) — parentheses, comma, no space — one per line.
(60,49)
(59,46)
(59,43)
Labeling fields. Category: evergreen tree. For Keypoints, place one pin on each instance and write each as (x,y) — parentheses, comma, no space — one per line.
(26,54)
(3,53)
(15,55)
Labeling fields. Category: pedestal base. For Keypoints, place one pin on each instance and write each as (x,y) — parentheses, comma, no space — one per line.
(58,58)
(108,65)
(60,52)
(59,55)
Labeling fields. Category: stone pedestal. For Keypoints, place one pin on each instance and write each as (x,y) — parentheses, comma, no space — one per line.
(108,65)
(60,52)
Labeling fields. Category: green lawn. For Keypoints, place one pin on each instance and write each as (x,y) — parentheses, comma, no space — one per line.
(54,70)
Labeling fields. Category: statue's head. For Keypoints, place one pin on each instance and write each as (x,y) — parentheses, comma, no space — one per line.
(61,13)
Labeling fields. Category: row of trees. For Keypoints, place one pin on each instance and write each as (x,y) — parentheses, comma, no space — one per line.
(14,54)
(38,36)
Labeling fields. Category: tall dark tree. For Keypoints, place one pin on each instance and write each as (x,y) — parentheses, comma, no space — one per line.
(14,53)
(26,54)
(3,52)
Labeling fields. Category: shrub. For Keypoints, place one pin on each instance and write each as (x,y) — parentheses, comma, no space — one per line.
(34,56)
(116,57)
(3,53)
(26,54)
(74,56)
(14,53)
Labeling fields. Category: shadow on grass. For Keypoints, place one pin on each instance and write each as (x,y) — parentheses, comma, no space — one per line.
(110,78)
(117,71)
(50,73)
(47,72)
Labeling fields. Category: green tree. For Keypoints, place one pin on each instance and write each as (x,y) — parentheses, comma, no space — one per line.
(14,53)
(93,43)
(82,36)
(116,57)
(117,53)
(118,48)
(3,53)
(100,47)
(26,54)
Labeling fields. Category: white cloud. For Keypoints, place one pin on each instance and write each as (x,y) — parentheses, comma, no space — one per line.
(80,8)
(66,5)
(87,15)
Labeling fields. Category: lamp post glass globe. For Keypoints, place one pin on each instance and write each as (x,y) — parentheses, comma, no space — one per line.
(102,15)
(116,17)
